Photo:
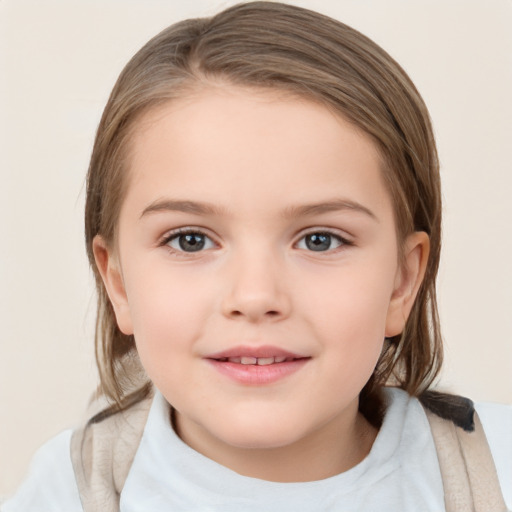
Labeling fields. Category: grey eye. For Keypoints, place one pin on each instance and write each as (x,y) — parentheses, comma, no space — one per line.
(319,242)
(190,242)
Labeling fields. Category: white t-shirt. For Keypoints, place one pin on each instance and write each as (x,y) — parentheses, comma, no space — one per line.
(401,472)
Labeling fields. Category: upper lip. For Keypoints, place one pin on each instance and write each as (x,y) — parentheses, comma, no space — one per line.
(255,351)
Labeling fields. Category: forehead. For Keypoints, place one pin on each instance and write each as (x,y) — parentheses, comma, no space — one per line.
(236,144)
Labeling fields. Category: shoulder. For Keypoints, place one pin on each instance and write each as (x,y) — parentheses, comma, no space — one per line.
(50,483)
(497,422)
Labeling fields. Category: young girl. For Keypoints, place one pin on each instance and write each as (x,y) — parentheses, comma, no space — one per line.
(263,220)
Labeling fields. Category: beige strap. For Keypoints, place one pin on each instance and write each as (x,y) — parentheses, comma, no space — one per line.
(469,476)
(102,454)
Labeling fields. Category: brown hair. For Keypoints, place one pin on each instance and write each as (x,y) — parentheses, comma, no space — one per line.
(277,46)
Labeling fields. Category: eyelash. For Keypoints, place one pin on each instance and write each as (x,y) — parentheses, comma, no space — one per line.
(175,235)
(343,242)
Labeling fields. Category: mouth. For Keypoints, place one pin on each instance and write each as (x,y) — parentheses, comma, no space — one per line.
(257,365)
(259,361)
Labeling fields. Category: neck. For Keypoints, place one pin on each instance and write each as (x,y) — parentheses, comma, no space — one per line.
(332,450)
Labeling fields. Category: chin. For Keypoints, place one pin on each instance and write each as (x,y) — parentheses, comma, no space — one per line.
(262,435)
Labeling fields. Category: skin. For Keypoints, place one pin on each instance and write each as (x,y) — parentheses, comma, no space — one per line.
(260,160)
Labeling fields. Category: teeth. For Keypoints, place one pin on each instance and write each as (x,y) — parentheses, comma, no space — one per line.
(260,361)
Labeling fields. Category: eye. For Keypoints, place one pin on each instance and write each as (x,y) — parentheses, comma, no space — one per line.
(189,241)
(321,241)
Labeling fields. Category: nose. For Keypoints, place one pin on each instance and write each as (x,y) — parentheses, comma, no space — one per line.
(256,289)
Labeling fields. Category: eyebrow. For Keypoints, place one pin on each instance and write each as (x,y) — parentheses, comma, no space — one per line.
(200,208)
(182,206)
(333,205)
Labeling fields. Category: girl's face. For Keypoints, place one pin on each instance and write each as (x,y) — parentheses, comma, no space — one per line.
(257,267)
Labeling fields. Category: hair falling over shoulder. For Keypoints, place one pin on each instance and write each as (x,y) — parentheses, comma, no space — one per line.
(303,53)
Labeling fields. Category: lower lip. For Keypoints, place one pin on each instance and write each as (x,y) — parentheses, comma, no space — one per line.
(256,375)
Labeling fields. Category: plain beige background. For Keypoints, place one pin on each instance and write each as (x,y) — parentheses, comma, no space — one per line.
(58,62)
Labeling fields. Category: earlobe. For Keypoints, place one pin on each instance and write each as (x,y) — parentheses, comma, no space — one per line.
(109,268)
(408,281)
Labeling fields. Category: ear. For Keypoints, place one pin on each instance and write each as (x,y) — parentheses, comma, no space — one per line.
(110,270)
(407,282)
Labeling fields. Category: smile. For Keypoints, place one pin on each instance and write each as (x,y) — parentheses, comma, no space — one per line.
(257,365)
(260,361)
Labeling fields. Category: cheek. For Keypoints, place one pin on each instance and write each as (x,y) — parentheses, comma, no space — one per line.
(168,313)
(348,313)
(353,300)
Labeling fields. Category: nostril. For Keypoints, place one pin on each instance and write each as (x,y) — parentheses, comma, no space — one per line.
(255,307)
(235,313)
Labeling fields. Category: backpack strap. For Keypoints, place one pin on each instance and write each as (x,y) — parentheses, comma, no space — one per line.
(103,449)
(469,475)
(102,452)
